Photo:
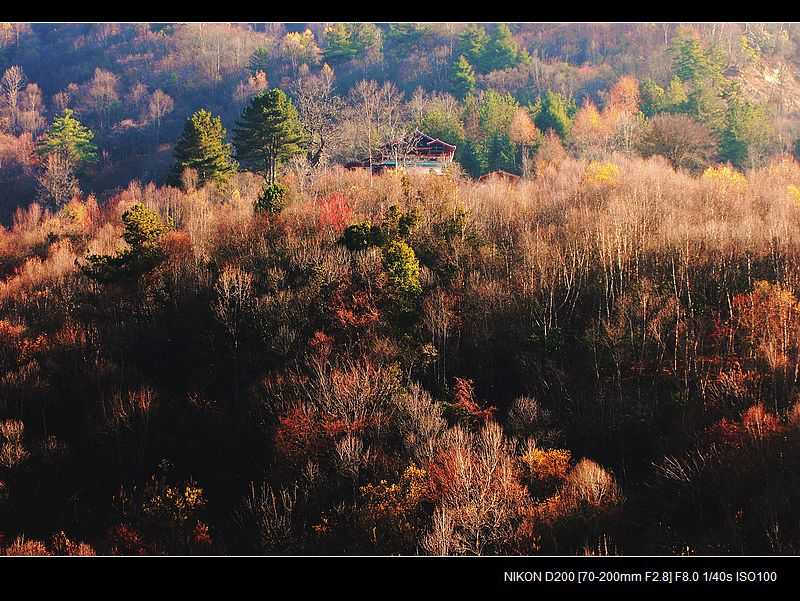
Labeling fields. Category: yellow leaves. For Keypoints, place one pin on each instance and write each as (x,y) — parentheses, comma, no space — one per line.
(178,502)
(598,172)
(390,509)
(725,176)
(794,194)
(399,497)
(546,464)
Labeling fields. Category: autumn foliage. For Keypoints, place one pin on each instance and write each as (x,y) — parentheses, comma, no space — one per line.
(497,369)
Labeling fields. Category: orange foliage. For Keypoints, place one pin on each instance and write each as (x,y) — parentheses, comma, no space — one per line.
(464,401)
(547,464)
(125,540)
(335,213)
(353,308)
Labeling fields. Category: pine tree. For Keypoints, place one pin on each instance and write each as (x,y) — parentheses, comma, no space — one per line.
(259,60)
(268,133)
(462,79)
(746,134)
(69,140)
(143,233)
(472,43)
(554,114)
(340,48)
(203,149)
(501,50)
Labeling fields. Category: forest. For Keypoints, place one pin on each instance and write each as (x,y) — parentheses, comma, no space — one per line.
(218,339)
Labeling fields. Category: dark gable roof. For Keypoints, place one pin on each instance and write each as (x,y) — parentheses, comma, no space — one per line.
(429,141)
(420,140)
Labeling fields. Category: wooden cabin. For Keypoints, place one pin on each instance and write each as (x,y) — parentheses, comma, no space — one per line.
(499,175)
(415,153)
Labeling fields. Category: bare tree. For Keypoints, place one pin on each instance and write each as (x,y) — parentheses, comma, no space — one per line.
(160,104)
(31,105)
(57,184)
(11,84)
(319,109)
(101,95)
(683,141)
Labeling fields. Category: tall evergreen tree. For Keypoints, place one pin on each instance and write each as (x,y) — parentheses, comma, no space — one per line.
(259,60)
(472,43)
(462,79)
(268,133)
(553,114)
(202,147)
(747,133)
(340,48)
(501,50)
(70,140)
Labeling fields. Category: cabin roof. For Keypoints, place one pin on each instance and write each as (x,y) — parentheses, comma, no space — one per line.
(498,173)
(422,140)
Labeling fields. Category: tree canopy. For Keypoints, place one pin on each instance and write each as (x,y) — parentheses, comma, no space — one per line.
(70,139)
(268,133)
(202,147)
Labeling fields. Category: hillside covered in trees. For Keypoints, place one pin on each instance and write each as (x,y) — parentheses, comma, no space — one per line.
(216,339)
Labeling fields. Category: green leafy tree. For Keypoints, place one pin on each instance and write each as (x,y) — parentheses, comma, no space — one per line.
(349,41)
(271,199)
(259,60)
(501,154)
(553,113)
(747,133)
(707,105)
(361,236)
(402,267)
(366,40)
(675,99)
(339,49)
(401,39)
(70,140)
(497,112)
(472,43)
(472,158)
(268,134)
(501,51)
(462,78)
(447,127)
(690,60)
(143,232)
(202,147)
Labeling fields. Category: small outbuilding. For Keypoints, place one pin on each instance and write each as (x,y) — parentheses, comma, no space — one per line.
(499,175)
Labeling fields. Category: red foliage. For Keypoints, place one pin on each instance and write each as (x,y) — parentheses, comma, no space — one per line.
(201,539)
(728,433)
(177,244)
(464,400)
(304,432)
(298,433)
(125,540)
(756,426)
(723,330)
(321,345)
(441,475)
(335,213)
(335,427)
(353,308)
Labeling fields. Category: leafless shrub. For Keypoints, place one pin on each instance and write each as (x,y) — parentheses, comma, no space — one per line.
(350,455)
(589,486)
(527,418)
(420,422)
(23,546)
(481,502)
(12,449)
(267,518)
